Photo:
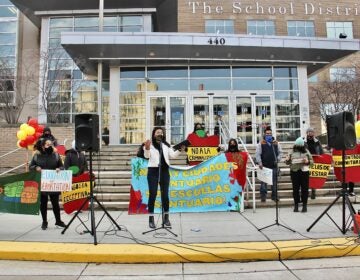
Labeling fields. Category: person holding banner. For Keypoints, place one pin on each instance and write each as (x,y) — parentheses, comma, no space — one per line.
(268,153)
(299,160)
(315,148)
(45,157)
(75,160)
(158,152)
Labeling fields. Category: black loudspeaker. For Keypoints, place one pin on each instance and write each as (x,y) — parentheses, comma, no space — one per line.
(341,131)
(87,132)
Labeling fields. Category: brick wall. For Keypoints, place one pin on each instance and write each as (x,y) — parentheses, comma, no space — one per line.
(64,134)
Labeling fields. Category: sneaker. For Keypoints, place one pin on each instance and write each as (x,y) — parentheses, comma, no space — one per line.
(60,224)
(351,194)
(44,225)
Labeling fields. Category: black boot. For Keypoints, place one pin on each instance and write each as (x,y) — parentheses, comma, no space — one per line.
(151,222)
(304,209)
(313,194)
(167,221)
(44,225)
(60,223)
(296,207)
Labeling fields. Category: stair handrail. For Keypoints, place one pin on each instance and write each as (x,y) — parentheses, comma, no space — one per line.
(9,153)
(252,168)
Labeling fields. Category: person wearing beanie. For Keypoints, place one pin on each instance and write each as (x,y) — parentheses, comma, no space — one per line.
(315,148)
(299,160)
(268,153)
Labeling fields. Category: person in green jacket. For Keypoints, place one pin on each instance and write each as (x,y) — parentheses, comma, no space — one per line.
(299,160)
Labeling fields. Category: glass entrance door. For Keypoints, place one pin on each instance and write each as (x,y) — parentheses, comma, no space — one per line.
(168,113)
(253,114)
(208,110)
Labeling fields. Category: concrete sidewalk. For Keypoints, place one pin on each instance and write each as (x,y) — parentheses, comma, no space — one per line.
(201,237)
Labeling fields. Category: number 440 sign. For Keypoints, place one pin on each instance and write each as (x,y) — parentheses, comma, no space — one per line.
(216,41)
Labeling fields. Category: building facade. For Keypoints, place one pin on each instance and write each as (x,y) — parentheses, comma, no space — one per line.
(145,63)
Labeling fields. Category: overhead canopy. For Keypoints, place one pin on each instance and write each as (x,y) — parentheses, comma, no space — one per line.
(126,48)
(33,8)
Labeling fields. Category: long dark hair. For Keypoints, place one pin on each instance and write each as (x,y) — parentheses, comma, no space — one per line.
(237,146)
(195,125)
(153,139)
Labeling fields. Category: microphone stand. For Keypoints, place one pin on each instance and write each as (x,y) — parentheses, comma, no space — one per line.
(162,204)
(276,195)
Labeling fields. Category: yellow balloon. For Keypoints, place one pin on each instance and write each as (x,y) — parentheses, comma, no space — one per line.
(24,126)
(30,130)
(21,135)
(357,129)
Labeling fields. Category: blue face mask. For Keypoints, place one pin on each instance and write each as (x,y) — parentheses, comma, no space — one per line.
(268,138)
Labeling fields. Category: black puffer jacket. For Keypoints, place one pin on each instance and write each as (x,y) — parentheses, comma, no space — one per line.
(75,158)
(46,161)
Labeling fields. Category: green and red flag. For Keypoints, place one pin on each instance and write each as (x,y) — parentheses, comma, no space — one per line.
(20,194)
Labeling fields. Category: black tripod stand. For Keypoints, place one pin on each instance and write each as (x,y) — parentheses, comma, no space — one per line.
(162,204)
(276,197)
(344,194)
(92,199)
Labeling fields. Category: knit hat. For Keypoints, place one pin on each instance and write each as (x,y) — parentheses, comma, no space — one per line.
(310,129)
(299,142)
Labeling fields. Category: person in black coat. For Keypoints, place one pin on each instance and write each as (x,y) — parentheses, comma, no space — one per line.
(315,148)
(73,157)
(48,135)
(46,157)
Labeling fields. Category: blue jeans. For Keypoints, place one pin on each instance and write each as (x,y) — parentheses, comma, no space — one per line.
(263,186)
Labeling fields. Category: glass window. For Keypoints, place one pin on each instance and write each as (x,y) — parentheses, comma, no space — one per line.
(219,26)
(61,22)
(9,11)
(166,72)
(286,84)
(8,26)
(132,72)
(252,72)
(252,84)
(260,27)
(313,79)
(285,72)
(301,28)
(210,84)
(209,72)
(287,96)
(335,28)
(342,74)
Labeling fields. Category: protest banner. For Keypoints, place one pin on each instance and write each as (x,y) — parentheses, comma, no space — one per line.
(55,181)
(209,186)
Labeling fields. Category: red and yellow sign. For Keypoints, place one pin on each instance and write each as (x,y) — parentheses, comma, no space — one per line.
(352,164)
(319,170)
(202,148)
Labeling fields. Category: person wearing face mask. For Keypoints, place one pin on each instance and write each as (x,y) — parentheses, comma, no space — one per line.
(48,135)
(299,160)
(315,148)
(159,152)
(268,153)
(46,157)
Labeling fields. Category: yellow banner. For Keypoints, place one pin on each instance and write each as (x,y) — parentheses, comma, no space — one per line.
(201,153)
(350,160)
(319,170)
(79,190)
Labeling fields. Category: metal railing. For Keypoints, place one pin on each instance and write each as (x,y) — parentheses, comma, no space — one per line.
(250,181)
(26,164)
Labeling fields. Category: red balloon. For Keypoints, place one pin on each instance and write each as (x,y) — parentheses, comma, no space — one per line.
(37,135)
(23,144)
(32,122)
(40,128)
(30,139)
